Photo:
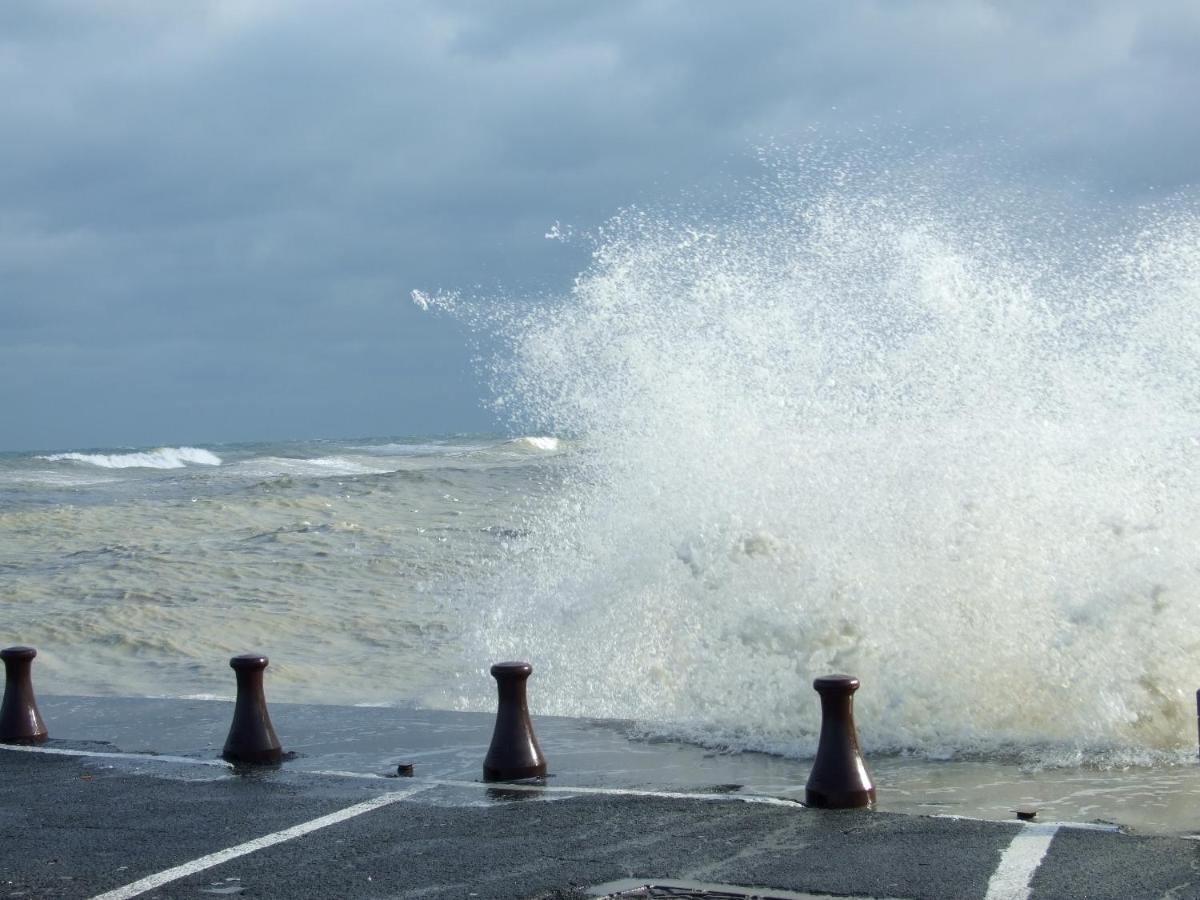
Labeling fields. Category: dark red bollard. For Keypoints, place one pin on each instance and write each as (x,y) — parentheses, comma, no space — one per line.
(839,778)
(251,738)
(20,721)
(514,752)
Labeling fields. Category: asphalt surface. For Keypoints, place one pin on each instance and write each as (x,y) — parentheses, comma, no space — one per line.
(82,825)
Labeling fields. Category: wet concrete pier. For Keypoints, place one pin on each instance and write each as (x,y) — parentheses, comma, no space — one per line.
(108,807)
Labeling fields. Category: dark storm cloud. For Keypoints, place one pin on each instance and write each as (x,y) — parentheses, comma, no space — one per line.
(211,212)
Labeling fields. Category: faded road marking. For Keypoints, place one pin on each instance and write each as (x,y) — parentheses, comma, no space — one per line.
(151,882)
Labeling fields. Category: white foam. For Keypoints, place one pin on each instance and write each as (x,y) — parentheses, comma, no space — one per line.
(162,458)
(53,479)
(321,467)
(422,449)
(223,698)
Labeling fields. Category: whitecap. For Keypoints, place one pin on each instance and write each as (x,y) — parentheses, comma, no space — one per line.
(54,479)
(271,466)
(161,458)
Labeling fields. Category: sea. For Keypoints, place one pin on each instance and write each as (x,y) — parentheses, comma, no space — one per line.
(867,422)
(140,571)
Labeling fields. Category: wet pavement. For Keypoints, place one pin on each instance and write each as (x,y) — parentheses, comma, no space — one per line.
(132,800)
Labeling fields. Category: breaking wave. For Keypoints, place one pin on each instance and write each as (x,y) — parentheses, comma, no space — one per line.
(934,436)
(162,458)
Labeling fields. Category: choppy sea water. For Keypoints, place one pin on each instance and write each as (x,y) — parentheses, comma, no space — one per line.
(138,571)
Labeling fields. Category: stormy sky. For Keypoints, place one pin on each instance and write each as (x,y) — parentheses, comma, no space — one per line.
(212,213)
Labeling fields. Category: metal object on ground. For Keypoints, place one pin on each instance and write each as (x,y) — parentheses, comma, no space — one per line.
(514,752)
(20,721)
(251,738)
(839,778)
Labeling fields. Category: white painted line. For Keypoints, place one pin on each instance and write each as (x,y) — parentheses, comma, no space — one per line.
(1019,862)
(102,754)
(342,773)
(429,782)
(1081,826)
(151,882)
(566,788)
(619,792)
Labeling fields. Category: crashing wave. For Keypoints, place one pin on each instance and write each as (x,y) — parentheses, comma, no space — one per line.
(938,437)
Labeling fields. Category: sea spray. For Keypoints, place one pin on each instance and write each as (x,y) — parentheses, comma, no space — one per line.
(941,440)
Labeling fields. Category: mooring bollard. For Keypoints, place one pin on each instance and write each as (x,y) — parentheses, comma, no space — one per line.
(839,778)
(20,721)
(251,738)
(514,752)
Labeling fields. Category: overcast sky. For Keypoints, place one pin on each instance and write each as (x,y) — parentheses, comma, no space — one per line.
(212,213)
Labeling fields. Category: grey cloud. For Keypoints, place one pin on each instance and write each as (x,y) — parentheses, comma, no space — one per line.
(264,181)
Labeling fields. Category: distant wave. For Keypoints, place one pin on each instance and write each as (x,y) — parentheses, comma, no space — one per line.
(271,466)
(55,479)
(407,449)
(162,458)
